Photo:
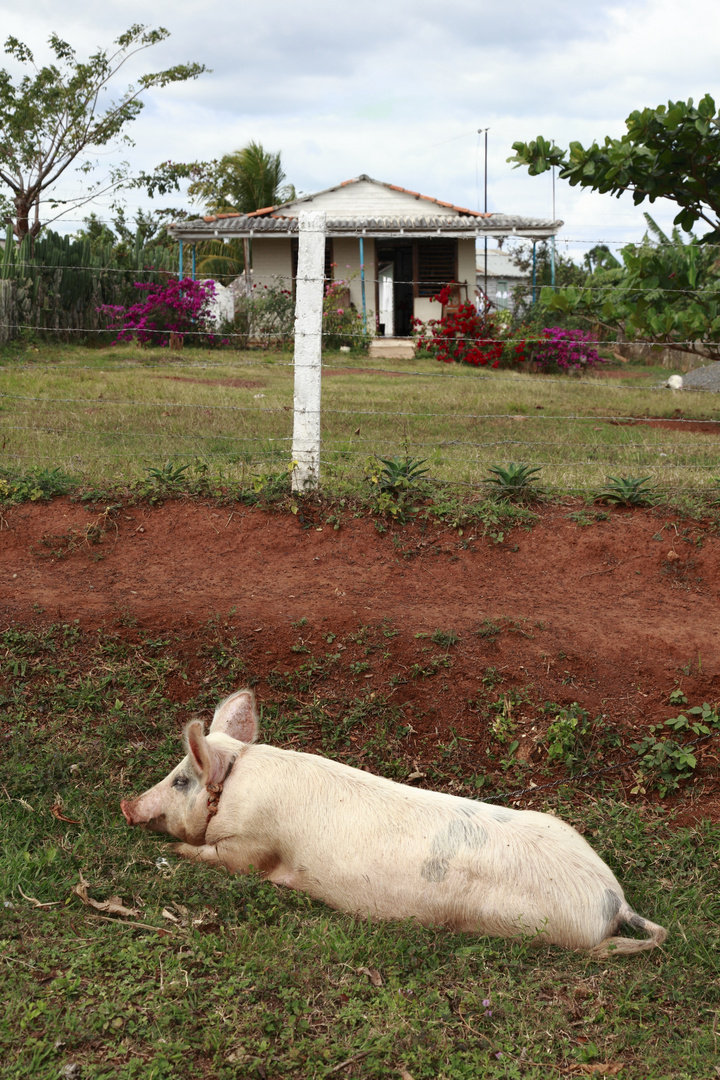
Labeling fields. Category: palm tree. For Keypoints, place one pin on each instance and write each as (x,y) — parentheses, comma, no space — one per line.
(246,180)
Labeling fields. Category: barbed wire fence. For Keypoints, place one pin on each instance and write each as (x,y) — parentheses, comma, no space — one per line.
(459,443)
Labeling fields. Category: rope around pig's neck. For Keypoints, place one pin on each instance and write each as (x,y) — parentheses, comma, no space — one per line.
(214,792)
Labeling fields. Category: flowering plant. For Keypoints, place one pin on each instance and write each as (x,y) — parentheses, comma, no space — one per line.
(462,336)
(168,307)
(342,323)
(566,350)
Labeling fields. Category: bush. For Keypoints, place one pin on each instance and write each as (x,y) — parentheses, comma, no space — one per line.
(464,336)
(266,317)
(169,307)
(342,323)
(559,350)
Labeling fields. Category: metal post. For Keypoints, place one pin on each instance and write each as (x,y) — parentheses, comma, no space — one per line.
(180,267)
(552,262)
(485,284)
(362,282)
(308,350)
(193,261)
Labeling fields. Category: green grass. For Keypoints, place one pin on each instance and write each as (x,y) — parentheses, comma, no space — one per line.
(107,416)
(246,980)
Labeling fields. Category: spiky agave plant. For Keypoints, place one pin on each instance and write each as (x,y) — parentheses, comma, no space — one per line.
(514,481)
(628,491)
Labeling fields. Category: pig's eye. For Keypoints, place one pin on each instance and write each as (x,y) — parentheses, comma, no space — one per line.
(180,781)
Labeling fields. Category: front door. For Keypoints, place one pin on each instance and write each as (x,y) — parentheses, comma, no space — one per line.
(397,258)
(386,305)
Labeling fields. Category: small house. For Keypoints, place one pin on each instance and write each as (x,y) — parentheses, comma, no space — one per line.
(395,248)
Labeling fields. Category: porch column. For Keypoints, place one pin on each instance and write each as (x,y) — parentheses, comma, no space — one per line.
(362,282)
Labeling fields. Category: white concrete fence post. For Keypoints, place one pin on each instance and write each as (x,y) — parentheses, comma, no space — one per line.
(309,286)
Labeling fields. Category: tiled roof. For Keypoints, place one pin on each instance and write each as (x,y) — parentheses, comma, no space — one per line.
(274,224)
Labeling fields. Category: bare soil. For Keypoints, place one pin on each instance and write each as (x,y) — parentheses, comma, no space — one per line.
(613,615)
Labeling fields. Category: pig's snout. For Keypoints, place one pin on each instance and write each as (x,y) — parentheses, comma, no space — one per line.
(127,809)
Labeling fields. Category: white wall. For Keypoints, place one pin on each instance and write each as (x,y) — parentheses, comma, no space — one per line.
(466,266)
(346,256)
(271,262)
(374,200)
(424,308)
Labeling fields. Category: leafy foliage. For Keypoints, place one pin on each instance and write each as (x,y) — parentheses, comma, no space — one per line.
(399,474)
(52,117)
(169,307)
(460,336)
(560,350)
(666,763)
(514,481)
(667,152)
(628,491)
(665,290)
(245,180)
(342,323)
(266,317)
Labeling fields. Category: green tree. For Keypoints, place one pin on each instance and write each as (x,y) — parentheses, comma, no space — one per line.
(52,118)
(669,152)
(246,180)
(666,291)
(243,181)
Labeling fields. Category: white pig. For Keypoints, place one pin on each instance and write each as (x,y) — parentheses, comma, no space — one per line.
(378,849)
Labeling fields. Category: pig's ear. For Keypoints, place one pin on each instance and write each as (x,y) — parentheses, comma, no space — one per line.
(197,747)
(210,762)
(237,717)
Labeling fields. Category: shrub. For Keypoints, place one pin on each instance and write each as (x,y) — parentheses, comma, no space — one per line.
(266,317)
(464,336)
(560,350)
(342,323)
(168,307)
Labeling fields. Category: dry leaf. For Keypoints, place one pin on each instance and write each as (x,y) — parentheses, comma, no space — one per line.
(113,904)
(373,975)
(404,1074)
(169,915)
(56,811)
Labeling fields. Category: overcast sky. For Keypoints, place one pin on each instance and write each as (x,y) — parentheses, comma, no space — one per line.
(398,89)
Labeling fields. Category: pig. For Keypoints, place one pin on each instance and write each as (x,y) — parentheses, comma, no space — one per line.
(382,850)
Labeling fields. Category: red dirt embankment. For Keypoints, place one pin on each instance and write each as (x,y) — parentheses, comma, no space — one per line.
(612,615)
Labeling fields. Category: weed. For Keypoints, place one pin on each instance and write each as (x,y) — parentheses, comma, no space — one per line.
(666,763)
(514,481)
(677,697)
(444,638)
(489,630)
(628,491)
(34,485)
(574,740)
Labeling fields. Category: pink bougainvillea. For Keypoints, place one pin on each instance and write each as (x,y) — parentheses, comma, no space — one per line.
(167,307)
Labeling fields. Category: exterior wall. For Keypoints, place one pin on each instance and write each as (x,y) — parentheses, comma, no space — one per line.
(365,199)
(466,266)
(346,256)
(271,262)
(425,308)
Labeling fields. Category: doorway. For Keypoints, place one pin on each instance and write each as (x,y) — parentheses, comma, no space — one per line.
(395,287)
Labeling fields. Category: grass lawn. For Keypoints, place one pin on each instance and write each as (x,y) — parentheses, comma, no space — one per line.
(218,976)
(106,416)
